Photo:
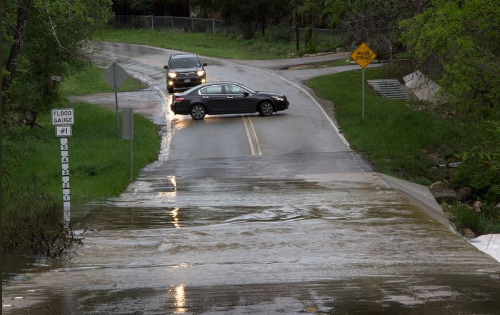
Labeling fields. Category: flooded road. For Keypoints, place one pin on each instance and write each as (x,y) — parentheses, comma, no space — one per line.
(214,227)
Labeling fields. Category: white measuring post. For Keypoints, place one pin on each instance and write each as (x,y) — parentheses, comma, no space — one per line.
(63,119)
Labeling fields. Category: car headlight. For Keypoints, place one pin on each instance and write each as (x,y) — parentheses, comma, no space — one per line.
(279,98)
(200,73)
(172,74)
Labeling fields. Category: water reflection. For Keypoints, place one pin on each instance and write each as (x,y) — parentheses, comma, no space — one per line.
(175,213)
(180,299)
(172,189)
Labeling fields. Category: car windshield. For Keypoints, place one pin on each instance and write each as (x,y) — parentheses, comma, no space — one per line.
(188,62)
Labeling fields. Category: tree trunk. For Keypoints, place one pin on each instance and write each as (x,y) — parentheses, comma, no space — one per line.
(15,49)
(296,25)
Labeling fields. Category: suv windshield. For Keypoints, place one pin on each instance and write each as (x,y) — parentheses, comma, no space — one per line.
(188,62)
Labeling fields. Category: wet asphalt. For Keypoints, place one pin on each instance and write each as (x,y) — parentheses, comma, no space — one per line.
(244,214)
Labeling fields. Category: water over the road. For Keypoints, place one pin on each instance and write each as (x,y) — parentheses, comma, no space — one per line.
(233,243)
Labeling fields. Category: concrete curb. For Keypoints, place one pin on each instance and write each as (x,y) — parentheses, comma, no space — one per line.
(420,196)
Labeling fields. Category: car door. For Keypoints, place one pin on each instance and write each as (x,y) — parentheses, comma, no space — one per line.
(237,102)
(213,99)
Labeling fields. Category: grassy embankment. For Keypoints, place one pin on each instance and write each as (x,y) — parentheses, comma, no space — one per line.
(99,162)
(207,44)
(398,139)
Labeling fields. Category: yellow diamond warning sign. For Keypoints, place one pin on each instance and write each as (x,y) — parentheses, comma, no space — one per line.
(363,55)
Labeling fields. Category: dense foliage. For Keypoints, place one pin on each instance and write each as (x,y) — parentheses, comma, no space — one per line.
(465,38)
(44,41)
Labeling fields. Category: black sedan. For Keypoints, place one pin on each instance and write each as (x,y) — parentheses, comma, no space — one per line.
(226,98)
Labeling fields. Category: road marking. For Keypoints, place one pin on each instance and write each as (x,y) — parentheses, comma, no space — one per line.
(247,130)
(255,136)
(252,150)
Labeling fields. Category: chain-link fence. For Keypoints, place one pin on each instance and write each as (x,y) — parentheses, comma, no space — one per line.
(311,39)
(165,23)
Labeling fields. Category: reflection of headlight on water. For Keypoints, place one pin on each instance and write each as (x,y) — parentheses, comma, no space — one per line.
(180,300)
(172,74)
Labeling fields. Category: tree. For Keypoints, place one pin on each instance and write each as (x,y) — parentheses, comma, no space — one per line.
(23,6)
(465,37)
(46,40)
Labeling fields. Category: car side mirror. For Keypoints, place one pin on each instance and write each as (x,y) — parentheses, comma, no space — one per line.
(205,64)
(165,67)
(245,94)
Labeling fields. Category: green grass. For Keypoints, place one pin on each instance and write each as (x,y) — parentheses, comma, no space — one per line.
(481,223)
(99,162)
(207,44)
(392,135)
(89,81)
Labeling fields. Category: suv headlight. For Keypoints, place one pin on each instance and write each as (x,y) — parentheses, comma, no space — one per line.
(172,74)
(200,73)
(279,98)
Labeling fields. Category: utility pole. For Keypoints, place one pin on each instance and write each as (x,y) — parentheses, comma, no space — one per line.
(296,25)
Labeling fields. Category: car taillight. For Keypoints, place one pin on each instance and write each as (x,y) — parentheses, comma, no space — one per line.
(178,99)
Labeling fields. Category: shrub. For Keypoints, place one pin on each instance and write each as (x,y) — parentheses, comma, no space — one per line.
(480,168)
(466,217)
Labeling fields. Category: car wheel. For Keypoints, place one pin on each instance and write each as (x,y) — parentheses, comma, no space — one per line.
(170,89)
(197,112)
(266,108)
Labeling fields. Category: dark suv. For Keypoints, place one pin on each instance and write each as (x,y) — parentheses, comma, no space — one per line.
(184,71)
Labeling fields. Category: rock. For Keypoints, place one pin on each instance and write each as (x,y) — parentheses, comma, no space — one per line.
(444,195)
(436,185)
(468,233)
(477,206)
(464,193)
(450,216)
(497,207)
(339,49)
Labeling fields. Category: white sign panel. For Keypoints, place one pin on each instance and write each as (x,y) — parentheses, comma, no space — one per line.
(63,132)
(63,116)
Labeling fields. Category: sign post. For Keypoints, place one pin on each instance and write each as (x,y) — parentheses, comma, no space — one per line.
(363,55)
(115,76)
(128,134)
(63,119)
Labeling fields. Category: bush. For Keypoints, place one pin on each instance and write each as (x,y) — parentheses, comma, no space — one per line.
(280,33)
(480,168)
(466,217)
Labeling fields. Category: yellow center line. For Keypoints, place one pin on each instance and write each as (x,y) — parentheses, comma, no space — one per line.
(255,136)
(252,150)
